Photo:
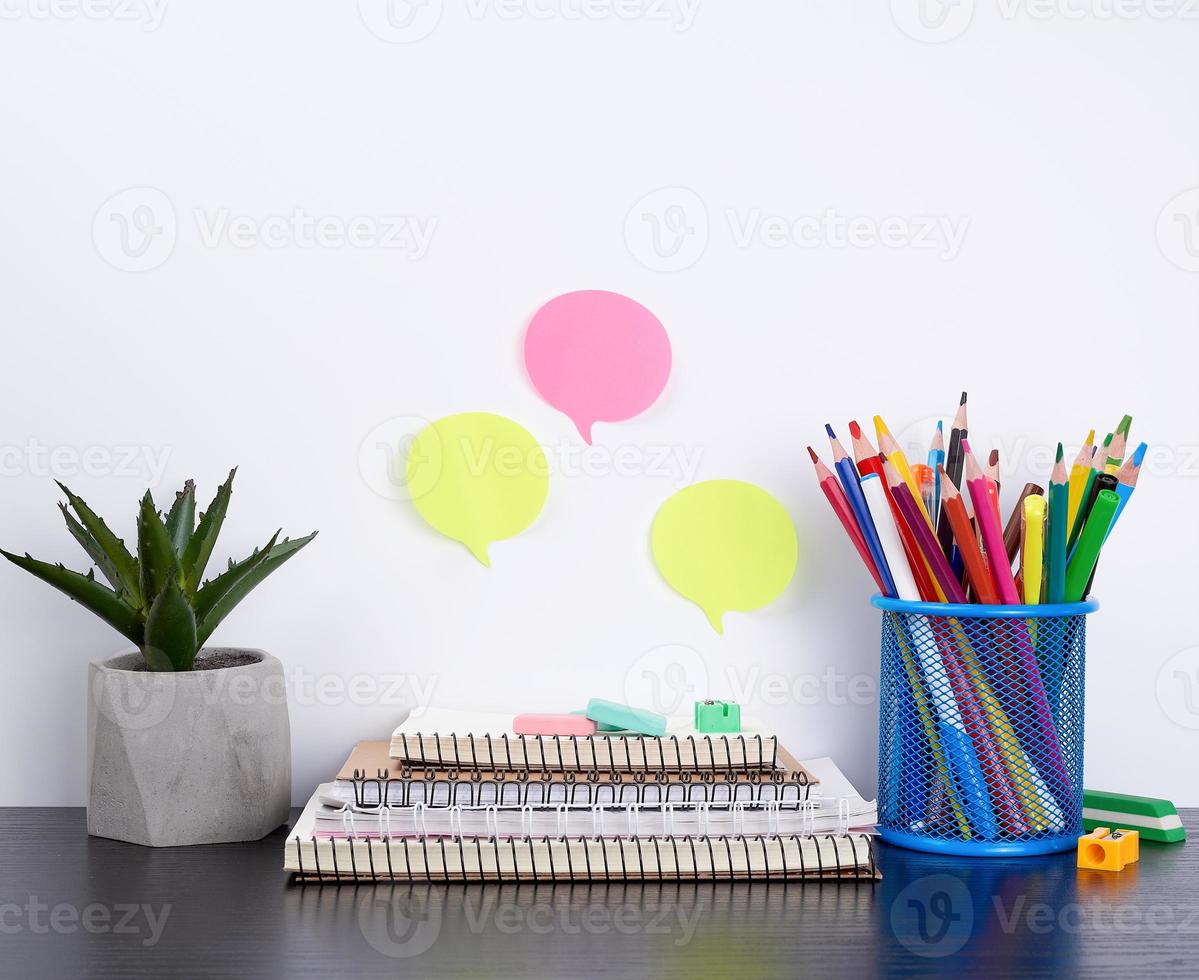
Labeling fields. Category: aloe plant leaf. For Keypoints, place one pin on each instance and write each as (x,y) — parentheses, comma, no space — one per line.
(211,592)
(181,521)
(156,554)
(93,549)
(122,561)
(170,642)
(245,583)
(199,548)
(89,593)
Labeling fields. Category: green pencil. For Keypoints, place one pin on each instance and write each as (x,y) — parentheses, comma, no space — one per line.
(1058,534)
(1082,562)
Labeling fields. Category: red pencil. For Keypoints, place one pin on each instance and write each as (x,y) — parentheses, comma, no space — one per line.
(866,457)
(840,504)
(967,542)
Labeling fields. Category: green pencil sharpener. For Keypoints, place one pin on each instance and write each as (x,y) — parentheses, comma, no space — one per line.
(717,717)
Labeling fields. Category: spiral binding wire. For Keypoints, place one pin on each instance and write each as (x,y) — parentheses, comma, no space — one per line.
(603,859)
(748,785)
(540,753)
(607,820)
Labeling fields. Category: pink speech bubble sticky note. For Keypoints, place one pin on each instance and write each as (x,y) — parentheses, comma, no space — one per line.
(597,357)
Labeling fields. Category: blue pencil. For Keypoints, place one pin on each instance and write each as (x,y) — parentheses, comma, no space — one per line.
(1126,483)
(847,473)
(936,459)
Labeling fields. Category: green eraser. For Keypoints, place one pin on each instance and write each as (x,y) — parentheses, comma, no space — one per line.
(599,724)
(1155,819)
(717,717)
(623,717)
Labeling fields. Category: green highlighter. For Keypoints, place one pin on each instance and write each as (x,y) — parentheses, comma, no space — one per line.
(1154,819)
(1086,554)
(621,715)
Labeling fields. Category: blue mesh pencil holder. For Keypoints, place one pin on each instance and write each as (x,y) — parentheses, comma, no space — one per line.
(981,727)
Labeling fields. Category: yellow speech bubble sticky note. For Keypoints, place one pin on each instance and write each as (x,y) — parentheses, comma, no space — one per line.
(726,546)
(477,478)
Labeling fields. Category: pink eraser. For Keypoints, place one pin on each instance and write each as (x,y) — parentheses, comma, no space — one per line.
(553,725)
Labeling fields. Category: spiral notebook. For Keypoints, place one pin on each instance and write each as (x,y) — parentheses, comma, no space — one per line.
(370,777)
(480,740)
(471,859)
(335,818)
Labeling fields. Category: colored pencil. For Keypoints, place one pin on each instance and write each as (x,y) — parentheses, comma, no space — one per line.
(923,533)
(1011,530)
(1059,530)
(1079,474)
(1098,458)
(848,474)
(1126,481)
(964,534)
(887,446)
(1032,548)
(868,462)
(1115,452)
(953,469)
(960,754)
(983,494)
(1005,584)
(852,521)
(936,459)
(880,512)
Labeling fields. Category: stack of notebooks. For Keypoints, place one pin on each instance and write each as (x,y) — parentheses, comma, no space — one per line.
(458,796)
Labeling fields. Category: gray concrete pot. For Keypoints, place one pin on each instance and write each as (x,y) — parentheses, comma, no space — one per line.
(199,757)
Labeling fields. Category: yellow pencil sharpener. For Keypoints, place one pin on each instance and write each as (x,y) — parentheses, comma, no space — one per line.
(1105,850)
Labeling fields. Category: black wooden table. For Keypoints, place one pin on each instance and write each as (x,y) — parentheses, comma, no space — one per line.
(71,905)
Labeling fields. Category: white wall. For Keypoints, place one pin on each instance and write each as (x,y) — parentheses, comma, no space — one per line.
(1057,140)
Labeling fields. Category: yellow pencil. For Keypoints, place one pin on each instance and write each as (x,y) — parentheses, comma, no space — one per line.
(1079,472)
(890,448)
(1032,549)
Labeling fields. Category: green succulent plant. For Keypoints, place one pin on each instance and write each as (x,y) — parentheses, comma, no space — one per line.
(157,599)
